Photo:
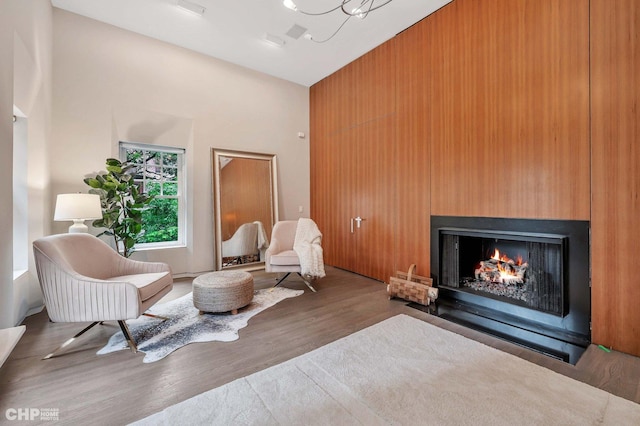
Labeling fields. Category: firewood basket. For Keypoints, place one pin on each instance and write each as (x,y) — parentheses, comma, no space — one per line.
(411,287)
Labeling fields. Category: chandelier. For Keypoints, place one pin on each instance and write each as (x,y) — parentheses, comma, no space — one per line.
(358,8)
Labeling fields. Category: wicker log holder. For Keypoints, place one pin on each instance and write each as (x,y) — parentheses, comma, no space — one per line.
(411,287)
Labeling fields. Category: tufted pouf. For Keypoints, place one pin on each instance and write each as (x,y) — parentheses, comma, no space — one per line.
(222,291)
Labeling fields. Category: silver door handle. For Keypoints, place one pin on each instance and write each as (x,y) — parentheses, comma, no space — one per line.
(358,221)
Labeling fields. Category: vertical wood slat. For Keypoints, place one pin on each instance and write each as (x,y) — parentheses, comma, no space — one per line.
(413,168)
(341,176)
(615,133)
(375,142)
(318,168)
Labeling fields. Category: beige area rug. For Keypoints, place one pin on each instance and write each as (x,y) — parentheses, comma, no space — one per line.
(408,372)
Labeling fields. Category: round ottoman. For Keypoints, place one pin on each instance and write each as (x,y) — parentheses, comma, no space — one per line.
(222,291)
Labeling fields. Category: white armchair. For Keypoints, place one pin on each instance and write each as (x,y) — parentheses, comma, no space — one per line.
(83,279)
(243,242)
(289,241)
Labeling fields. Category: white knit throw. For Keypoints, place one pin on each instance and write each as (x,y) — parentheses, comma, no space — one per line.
(307,245)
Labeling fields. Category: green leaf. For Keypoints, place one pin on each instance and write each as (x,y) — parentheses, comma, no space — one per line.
(129,242)
(109,186)
(122,203)
(94,183)
(98,191)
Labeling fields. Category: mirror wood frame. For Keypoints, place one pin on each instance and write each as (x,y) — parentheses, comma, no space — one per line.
(216,155)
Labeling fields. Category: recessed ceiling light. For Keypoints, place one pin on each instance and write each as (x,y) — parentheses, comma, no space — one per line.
(191,7)
(273,40)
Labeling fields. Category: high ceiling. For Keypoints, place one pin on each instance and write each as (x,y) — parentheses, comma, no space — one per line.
(234,30)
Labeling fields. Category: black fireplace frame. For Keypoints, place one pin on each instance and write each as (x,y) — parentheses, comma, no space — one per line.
(563,337)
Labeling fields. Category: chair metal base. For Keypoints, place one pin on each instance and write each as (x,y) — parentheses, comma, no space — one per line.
(127,336)
(123,327)
(155,316)
(301,276)
(68,342)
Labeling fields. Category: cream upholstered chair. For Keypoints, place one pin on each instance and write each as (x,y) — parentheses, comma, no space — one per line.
(243,242)
(281,256)
(83,279)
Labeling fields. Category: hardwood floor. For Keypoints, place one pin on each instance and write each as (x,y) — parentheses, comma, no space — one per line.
(118,388)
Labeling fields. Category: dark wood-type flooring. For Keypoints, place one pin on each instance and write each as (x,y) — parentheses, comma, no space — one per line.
(118,388)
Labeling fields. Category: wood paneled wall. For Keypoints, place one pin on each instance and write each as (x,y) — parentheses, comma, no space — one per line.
(502,108)
(615,135)
(491,120)
(508,93)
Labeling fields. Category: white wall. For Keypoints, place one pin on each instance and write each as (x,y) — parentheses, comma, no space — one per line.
(25,81)
(6,166)
(110,84)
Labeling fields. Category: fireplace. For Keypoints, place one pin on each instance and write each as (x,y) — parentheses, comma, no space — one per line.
(523,280)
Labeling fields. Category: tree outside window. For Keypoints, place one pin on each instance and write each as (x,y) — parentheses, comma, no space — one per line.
(159,174)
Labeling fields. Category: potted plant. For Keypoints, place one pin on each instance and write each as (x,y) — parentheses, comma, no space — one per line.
(122,204)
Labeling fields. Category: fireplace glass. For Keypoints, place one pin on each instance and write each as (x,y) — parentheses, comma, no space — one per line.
(519,268)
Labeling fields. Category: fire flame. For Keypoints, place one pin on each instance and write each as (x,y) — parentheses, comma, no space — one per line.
(502,269)
(505,258)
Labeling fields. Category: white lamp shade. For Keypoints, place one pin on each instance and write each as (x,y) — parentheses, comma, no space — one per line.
(77,207)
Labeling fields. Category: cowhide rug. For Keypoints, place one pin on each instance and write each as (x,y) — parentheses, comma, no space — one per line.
(157,338)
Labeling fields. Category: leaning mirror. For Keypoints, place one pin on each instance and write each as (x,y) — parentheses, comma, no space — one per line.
(245,207)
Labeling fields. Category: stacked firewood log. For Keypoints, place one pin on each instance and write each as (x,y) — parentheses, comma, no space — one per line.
(506,271)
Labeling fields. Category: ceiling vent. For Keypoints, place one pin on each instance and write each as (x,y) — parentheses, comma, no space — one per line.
(296,31)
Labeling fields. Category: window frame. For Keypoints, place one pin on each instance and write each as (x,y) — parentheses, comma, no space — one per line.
(20,194)
(181,195)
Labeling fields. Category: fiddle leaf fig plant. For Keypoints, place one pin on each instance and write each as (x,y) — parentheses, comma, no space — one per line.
(122,204)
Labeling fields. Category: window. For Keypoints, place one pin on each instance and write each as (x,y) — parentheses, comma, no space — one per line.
(20,197)
(161,174)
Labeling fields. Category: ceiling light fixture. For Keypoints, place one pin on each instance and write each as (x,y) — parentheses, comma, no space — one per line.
(191,7)
(361,11)
(273,40)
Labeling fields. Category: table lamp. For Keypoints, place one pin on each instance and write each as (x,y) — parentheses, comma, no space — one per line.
(78,208)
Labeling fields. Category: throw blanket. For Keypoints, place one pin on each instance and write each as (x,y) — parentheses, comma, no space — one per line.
(262,236)
(307,246)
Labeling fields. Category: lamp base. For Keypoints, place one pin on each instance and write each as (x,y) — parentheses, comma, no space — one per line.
(78,227)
